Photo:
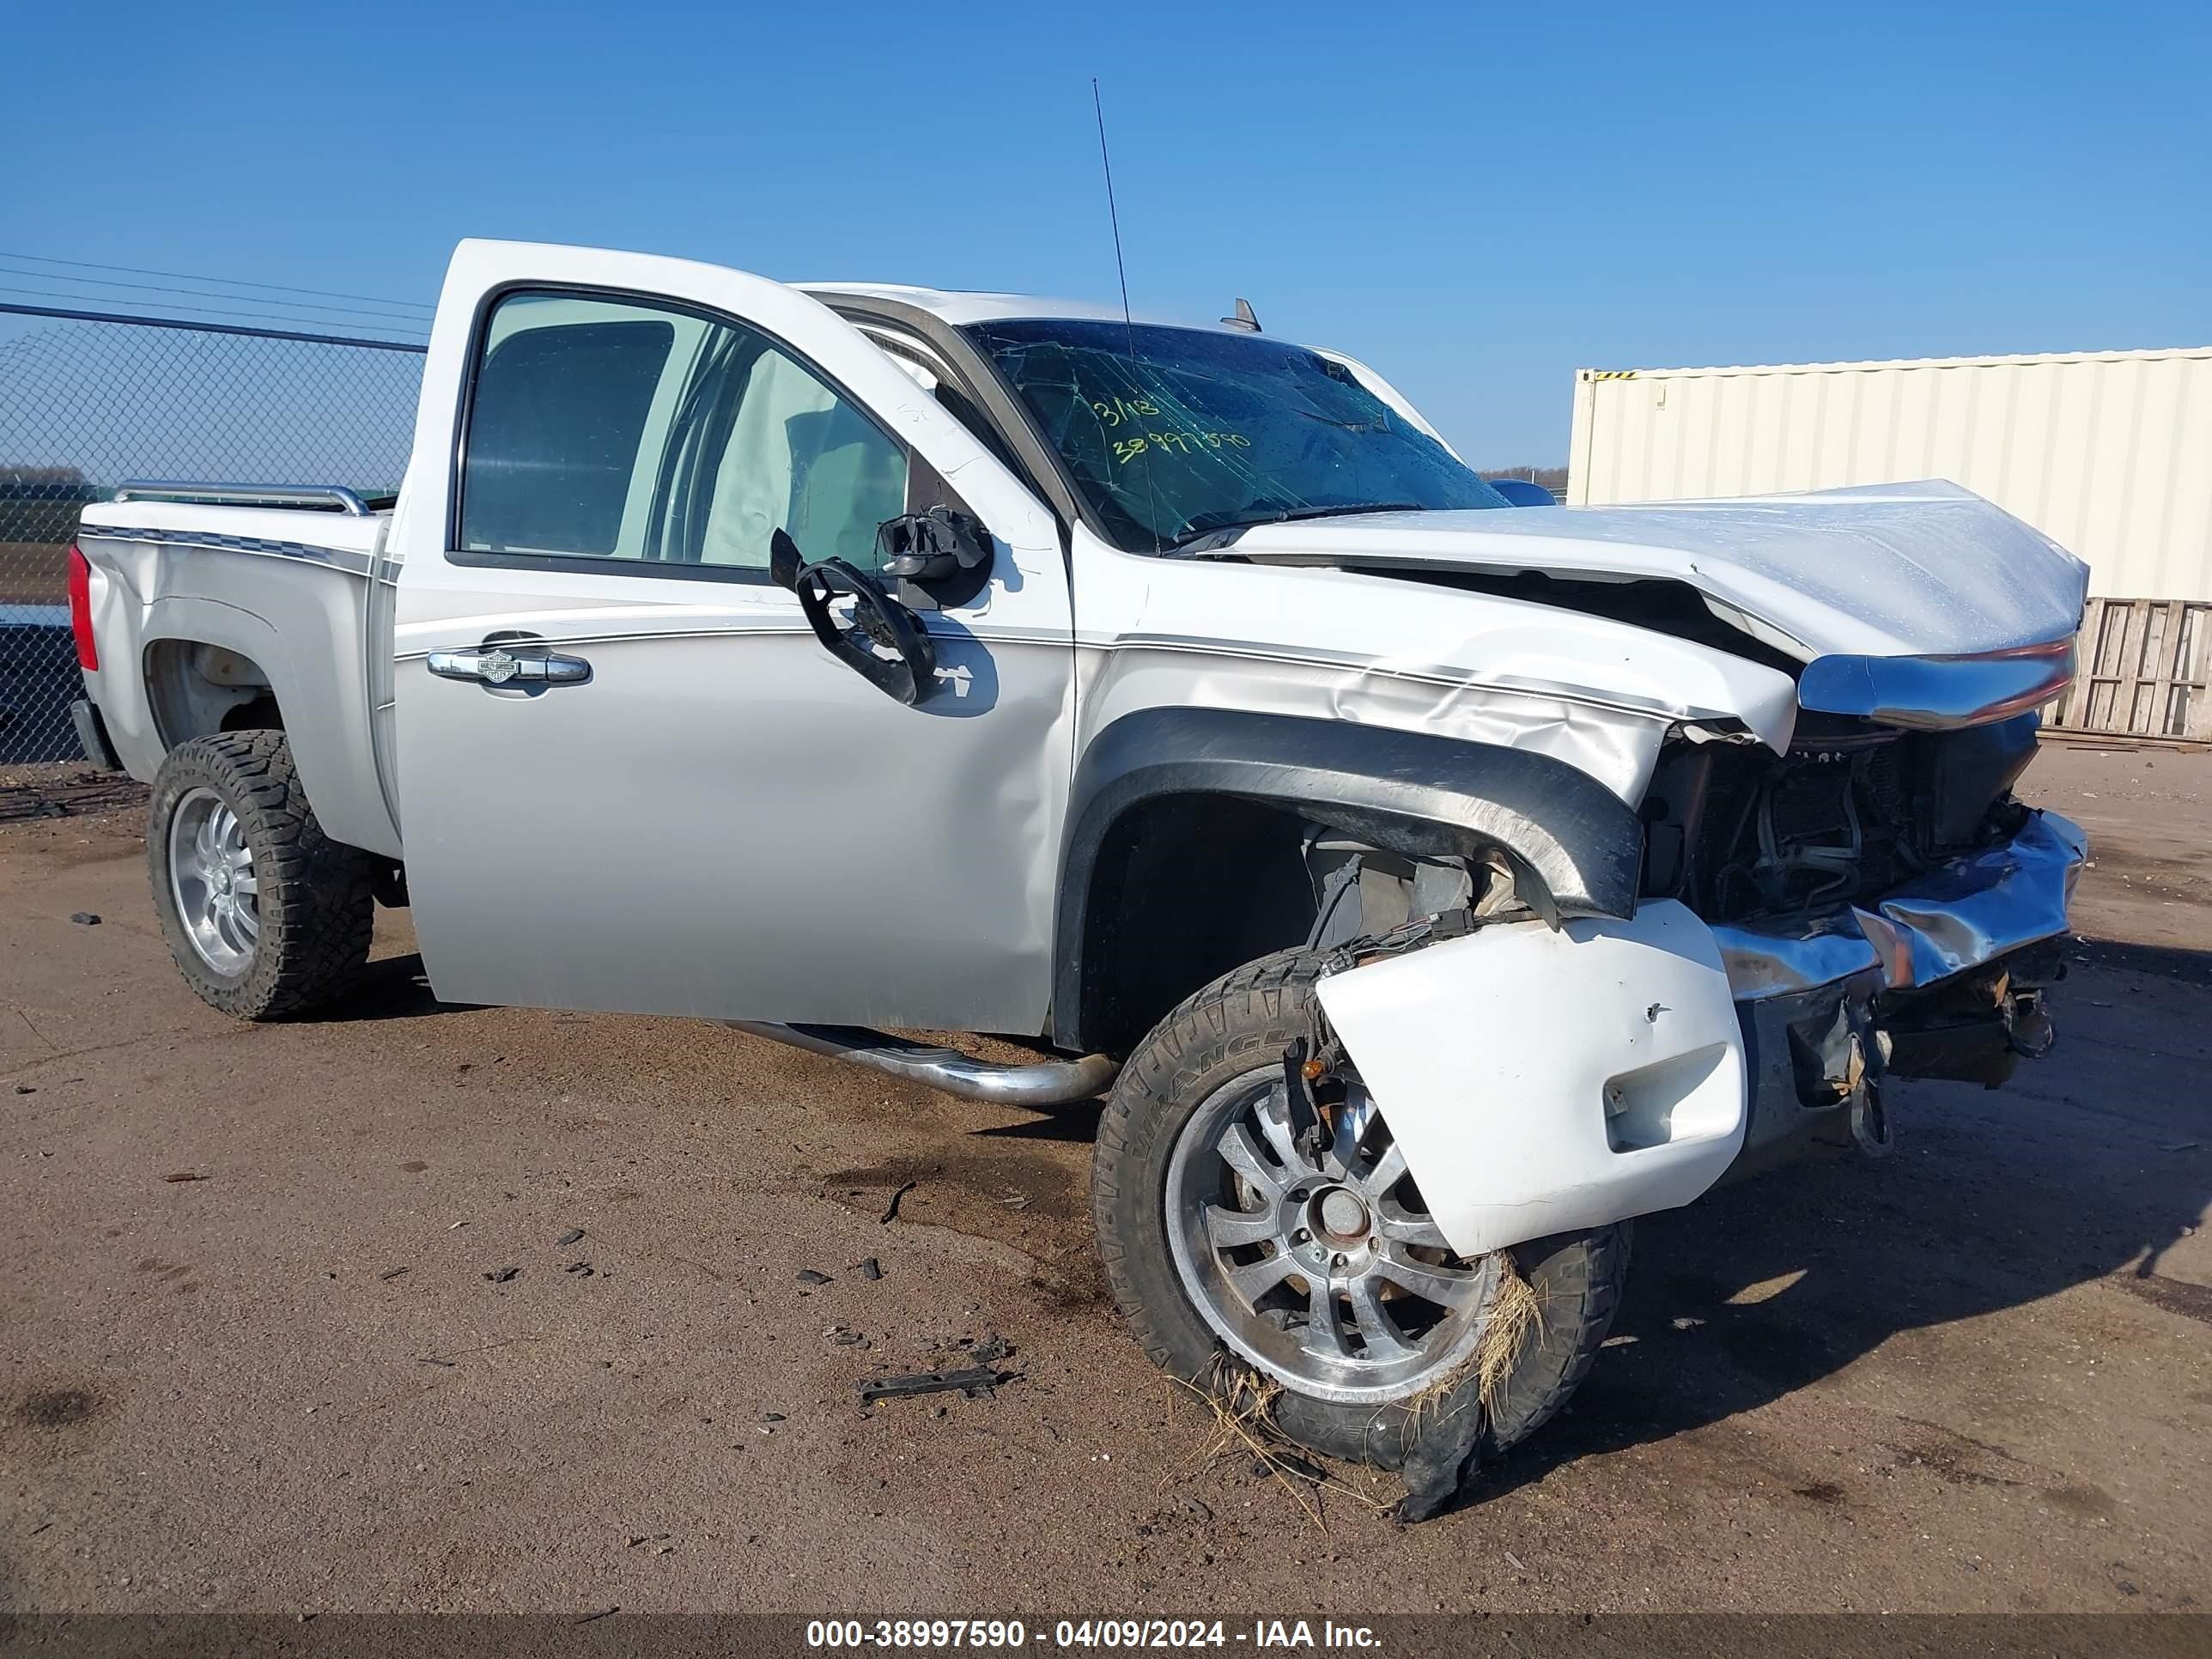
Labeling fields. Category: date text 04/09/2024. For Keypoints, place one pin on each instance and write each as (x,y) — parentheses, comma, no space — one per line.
(1294,1635)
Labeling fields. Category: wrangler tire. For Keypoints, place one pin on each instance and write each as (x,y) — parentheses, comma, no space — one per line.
(312,909)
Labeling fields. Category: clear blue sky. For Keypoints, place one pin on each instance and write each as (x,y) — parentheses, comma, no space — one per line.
(1475,199)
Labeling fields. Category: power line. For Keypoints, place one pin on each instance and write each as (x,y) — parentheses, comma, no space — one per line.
(201,294)
(211,311)
(225,282)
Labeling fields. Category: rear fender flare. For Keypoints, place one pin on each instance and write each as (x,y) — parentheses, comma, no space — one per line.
(183,621)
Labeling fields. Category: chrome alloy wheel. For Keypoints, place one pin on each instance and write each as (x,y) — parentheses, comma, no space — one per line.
(211,879)
(1315,1260)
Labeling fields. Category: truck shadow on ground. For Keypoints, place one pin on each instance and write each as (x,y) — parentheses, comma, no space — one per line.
(2174,961)
(1994,1201)
(391,987)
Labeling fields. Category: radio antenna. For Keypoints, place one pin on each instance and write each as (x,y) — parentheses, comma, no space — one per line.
(1113,216)
(1122,270)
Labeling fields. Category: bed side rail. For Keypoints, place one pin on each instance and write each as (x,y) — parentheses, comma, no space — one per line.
(245,495)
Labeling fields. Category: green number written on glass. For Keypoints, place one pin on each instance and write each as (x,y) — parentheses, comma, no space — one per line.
(1124,409)
(1177,443)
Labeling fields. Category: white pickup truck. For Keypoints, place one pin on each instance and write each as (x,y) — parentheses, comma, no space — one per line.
(1436,885)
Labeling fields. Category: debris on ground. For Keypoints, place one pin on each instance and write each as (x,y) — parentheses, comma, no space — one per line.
(1243,1406)
(1279,1462)
(811,1276)
(185,1175)
(991,1349)
(890,1210)
(391,1272)
(870,1269)
(503,1275)
(26,1089)
(573,1235)
(82,794)
(85,919)
(581,1269)
(974,1382)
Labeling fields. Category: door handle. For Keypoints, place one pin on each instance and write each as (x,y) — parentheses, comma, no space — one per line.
(497,666)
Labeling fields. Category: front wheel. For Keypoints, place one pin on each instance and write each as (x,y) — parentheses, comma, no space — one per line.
(1310,1260)
(264,914)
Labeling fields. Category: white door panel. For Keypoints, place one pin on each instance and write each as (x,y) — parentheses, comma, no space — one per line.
(713,816)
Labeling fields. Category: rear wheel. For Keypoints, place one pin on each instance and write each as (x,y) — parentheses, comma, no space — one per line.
(1312,1261)
(264,914)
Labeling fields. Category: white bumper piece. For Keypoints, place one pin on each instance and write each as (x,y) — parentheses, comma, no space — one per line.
(1541,1081)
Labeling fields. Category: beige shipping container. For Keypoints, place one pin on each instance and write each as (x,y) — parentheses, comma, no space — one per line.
(2109,454)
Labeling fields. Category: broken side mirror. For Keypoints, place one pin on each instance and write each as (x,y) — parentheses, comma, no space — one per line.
(884,642)
(943,550)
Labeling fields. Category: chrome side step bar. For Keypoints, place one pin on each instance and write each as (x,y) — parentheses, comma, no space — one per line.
(1047,1083)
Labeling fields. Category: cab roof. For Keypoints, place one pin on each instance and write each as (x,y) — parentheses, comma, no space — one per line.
(959,307)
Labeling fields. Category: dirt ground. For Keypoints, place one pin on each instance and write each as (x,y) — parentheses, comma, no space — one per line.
(257,1357)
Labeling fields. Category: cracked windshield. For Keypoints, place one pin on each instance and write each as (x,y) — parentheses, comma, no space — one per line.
(1175,434)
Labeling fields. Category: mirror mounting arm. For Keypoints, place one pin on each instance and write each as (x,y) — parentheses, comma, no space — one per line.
(936,545)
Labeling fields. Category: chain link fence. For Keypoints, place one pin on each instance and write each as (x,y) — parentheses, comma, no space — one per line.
(89,400)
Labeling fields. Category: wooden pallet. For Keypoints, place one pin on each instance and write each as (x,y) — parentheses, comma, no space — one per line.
(2143,671)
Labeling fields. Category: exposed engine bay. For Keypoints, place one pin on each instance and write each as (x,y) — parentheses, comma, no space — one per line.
(1853,810)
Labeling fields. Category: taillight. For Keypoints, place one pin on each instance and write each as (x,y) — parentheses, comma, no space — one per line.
(80,592)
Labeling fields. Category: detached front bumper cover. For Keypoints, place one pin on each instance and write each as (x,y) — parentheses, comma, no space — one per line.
(1543,1080)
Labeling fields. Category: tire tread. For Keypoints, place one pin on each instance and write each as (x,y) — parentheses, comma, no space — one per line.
(315,894)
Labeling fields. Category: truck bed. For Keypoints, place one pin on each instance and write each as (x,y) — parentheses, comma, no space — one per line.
(204,614)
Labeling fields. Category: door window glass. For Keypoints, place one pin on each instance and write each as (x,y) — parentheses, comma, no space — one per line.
(562,399)
(610,429)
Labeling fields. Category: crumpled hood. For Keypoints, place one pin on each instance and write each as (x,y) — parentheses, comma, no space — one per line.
(1882,570)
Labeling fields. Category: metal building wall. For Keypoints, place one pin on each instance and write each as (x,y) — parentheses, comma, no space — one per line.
(2109,454)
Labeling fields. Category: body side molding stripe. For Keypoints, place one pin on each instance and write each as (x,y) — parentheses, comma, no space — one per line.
(336,558)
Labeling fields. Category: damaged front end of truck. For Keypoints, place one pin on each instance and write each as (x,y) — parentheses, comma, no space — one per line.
(1866,901)
(1803,936)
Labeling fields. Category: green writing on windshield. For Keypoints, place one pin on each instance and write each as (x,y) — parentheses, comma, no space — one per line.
(1172,433)
(1122,409)
(1178,443)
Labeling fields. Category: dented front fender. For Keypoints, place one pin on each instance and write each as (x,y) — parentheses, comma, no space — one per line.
(1541,1080)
